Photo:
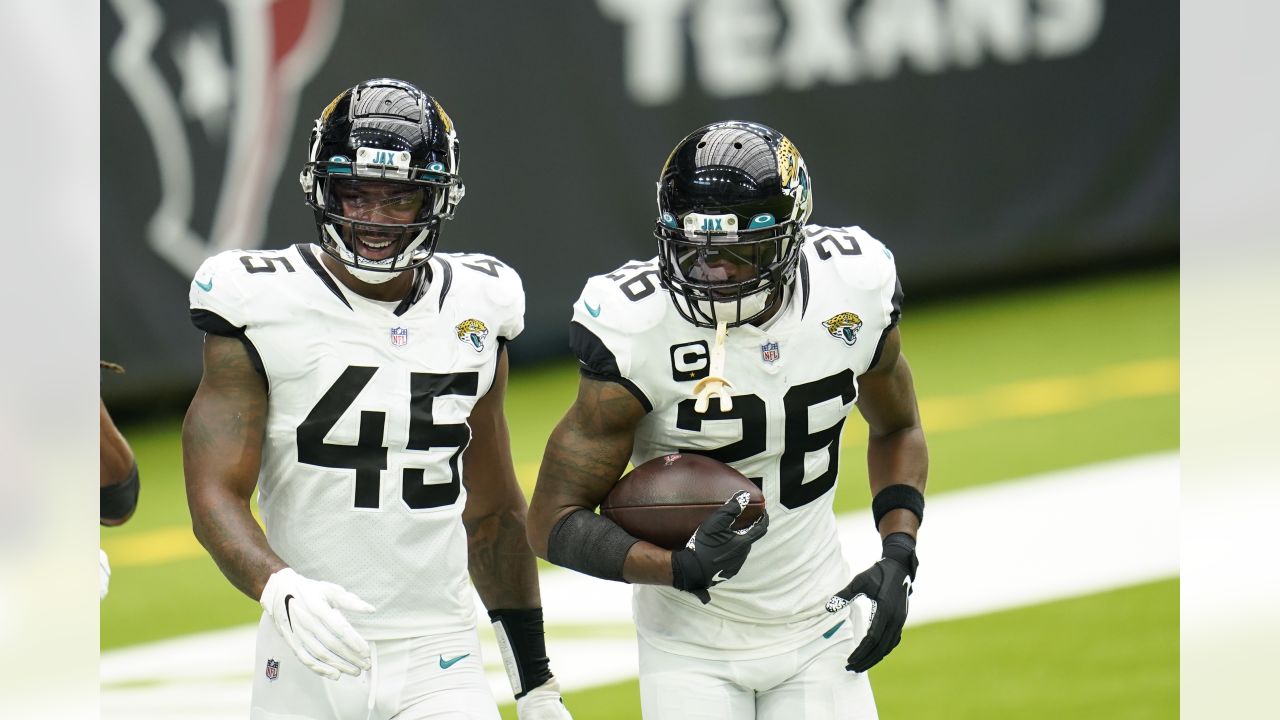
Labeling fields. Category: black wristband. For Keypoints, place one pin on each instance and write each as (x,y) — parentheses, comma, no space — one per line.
(117,501)
(590,544)
(522,643)
(896,497)
(901,548)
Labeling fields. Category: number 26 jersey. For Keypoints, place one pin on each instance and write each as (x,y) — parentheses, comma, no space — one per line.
(361,476)
(794,383)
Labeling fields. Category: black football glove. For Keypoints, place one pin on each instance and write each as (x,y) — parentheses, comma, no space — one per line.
(888,585)
(716,551)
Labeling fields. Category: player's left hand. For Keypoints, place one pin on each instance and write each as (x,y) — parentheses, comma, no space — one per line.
(104,574)
(887,584)
(543,703)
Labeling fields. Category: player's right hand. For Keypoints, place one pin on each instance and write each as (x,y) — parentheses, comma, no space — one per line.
(306,614)
(716,551)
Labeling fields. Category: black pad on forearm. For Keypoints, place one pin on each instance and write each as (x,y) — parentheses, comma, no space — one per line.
(117,501)
(590,544)
(522,642)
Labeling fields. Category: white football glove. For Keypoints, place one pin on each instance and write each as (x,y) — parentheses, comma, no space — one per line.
(104,574)
(543,703)
(305,613)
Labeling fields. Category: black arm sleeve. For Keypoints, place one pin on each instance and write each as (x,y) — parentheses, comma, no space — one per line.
(590,544)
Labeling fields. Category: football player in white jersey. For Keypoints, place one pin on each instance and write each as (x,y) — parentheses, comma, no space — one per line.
(749,338)
(359,384)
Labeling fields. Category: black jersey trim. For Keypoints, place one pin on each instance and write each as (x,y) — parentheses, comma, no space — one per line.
(421,281)
(597,362)
(497,360)
(214,324)
(313,262)
(804,285)
(446,280)
(894,315)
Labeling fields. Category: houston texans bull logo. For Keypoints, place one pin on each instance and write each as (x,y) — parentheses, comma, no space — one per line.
(844,326)
(215,85)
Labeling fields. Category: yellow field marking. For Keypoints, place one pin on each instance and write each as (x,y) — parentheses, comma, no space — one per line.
(1041,397)
(152,547)
(1024,399)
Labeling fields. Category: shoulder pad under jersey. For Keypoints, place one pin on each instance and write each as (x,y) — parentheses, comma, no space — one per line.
(479,279)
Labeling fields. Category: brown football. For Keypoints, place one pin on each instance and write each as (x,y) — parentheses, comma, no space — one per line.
(665,499)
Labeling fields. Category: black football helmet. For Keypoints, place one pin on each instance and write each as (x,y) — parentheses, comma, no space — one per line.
(733,198)
(381,176)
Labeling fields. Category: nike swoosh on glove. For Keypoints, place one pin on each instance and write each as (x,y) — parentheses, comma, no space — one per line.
(716,551)
(887,584)
(306,614)
(543,703)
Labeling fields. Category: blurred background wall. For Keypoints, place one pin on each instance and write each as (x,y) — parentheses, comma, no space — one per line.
(985,141)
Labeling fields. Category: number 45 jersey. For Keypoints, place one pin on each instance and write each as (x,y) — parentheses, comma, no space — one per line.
(361,477)
(794,384)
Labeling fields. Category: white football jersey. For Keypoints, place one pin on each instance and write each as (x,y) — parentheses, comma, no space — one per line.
(367,420)
(794,384)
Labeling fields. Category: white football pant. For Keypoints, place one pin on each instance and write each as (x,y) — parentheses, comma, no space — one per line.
(809,682)
(438,677)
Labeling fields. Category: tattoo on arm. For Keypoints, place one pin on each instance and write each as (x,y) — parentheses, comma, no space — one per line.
(222,438)
(585,455)
(499,559)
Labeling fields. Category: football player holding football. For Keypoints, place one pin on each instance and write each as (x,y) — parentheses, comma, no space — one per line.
(749,338)
(358,383)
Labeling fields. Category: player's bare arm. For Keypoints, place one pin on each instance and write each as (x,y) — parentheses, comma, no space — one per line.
(221,453)
(896,450)
(501,563)
(897,466)
(586,454)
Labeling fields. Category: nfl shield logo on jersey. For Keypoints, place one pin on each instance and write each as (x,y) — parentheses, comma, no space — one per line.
(399,336)
(770,352)
(273,669)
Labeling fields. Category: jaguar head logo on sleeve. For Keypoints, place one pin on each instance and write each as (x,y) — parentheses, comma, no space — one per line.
(473,332)
(844,326)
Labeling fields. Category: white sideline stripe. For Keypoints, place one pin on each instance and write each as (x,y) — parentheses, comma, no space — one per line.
(985,549)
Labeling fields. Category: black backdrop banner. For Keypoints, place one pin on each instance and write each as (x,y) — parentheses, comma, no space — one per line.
(979,139)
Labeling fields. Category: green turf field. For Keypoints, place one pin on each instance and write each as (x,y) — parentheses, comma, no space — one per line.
(1113,655)
(1009,385)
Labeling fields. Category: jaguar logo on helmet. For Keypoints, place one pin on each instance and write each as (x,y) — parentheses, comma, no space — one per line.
(215,87)
(473,332)
(733,198)
(844,326)
(786,162)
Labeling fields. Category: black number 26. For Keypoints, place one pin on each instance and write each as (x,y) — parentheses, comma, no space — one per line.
(794,491)
(368,457)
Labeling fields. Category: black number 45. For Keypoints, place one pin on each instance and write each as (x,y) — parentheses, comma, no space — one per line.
(368,457)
